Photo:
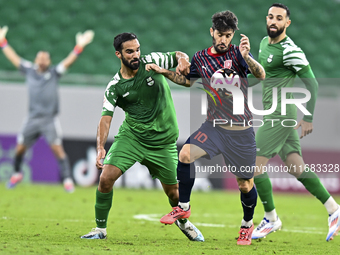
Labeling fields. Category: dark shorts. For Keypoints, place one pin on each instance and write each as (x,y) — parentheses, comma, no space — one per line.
(237,147)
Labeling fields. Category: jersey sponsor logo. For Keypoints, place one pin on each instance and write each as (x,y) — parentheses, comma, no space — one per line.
(222,79)
(108,156)
(270,58)
(150,81)
(228,64)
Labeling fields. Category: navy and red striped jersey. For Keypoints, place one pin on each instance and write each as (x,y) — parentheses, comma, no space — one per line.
(204,64)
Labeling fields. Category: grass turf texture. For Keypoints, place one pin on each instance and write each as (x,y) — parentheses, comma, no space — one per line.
(43,219)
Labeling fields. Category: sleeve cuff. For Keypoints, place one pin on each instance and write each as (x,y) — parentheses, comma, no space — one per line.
(308,118)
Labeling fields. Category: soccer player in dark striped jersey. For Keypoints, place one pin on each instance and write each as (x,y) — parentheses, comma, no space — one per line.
(235,142)
(283,60)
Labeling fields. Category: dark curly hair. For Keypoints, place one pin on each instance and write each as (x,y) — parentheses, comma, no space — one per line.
(223,21)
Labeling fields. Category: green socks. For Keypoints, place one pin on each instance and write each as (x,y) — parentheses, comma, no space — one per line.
(265,191)
(309,179)
(102,207)
(313,184)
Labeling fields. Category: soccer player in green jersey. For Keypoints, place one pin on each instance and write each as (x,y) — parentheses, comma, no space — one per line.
(283,60)
(149,132)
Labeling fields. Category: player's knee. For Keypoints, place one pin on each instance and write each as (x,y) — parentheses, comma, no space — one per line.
(245,186)
(105,183)
(184,156)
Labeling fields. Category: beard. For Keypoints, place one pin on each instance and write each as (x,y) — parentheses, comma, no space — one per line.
(132,66)
(217,46)
(273,34)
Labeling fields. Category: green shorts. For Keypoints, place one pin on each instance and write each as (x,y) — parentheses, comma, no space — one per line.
(162,163)
(276,140)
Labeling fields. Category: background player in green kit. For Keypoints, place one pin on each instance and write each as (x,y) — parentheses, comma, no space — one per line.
(149,132)
(283,61)
(42,80)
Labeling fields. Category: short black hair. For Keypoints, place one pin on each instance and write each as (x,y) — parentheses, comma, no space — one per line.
(121,38)
(279,5)
(223,21)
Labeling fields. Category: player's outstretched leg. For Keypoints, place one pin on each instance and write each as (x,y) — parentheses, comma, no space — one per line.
(190,231)
(95,233)
(334,225)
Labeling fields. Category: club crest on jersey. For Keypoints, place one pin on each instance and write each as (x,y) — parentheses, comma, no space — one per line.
(228,64)
(270,58)
(150,81)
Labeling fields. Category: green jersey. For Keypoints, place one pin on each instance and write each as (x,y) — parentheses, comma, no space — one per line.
(150,115)
(282,62)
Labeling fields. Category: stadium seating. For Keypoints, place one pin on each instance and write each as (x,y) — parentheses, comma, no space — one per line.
(160,26)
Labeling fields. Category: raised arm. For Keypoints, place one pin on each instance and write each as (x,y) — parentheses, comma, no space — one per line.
(255,68)
(8,51)
(102,134)
(82,39)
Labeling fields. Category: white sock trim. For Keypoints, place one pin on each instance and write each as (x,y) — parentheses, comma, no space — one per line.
(247,224)
(331,205)
(184,206)
(103,230)
(271,216)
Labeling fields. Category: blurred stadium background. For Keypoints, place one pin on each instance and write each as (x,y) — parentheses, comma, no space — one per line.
(161,26)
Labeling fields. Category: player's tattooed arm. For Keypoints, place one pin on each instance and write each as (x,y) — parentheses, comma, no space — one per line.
(255,67)
(177,78)
(172,76)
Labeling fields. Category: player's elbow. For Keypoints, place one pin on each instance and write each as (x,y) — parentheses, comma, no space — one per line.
(262,76)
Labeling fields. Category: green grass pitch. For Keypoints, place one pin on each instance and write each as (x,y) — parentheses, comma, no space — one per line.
(43,219)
